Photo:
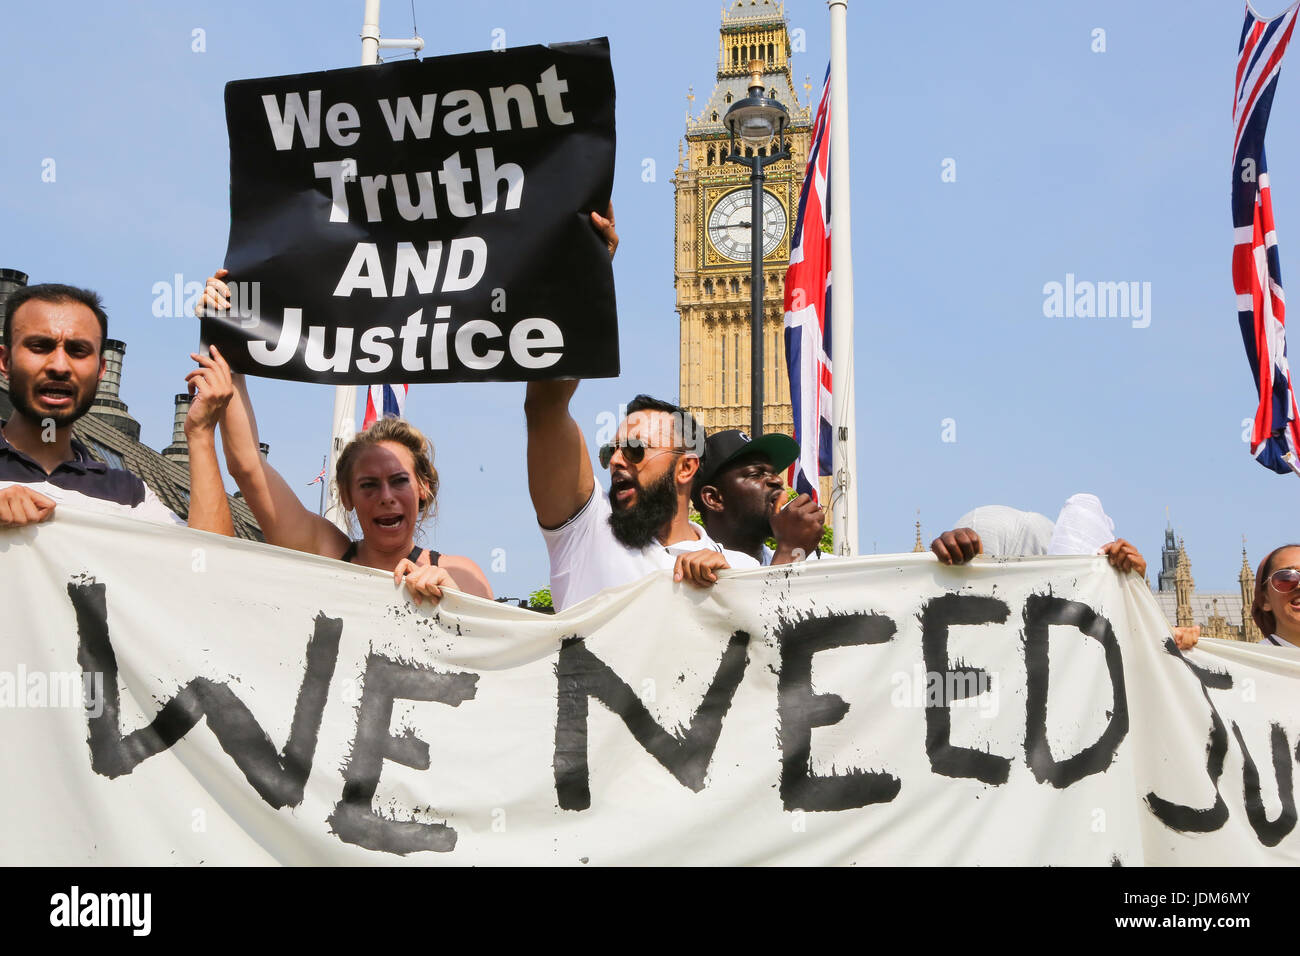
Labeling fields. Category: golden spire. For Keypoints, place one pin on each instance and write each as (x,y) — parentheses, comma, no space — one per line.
(1249,630)
(918,547)
(1183,586)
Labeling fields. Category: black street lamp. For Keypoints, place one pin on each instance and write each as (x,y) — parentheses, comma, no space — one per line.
(757,120)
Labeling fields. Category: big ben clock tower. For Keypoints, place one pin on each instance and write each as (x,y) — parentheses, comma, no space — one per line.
(713,231)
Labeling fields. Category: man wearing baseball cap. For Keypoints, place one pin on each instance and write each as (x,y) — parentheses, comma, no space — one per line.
(739,493)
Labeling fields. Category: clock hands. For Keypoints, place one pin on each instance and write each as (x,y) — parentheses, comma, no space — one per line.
(733,238)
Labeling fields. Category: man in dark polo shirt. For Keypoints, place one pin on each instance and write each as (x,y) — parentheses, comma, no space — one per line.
(53,357)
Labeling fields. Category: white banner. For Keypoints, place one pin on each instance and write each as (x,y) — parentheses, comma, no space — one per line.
(172,697)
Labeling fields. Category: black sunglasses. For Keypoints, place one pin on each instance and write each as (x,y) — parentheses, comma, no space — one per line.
(634,450)
(1284,580)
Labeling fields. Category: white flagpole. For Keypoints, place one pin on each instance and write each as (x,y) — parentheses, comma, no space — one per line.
(345,396)
(844,493)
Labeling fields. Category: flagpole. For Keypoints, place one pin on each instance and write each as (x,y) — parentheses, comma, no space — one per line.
(322,488)
(345,396)
(844,493)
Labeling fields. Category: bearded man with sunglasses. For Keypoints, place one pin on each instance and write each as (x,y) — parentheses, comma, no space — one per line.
(597,540)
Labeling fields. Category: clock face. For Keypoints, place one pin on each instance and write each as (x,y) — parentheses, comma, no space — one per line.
(730,225)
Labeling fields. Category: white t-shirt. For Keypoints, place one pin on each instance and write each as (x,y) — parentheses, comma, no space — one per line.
(1275,641)
(587,558)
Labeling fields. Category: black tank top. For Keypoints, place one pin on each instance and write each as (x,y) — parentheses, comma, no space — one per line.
(434,556)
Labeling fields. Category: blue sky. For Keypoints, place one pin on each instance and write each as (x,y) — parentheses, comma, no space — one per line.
(1111,166)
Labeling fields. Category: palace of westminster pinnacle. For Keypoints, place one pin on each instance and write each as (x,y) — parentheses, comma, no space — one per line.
(1224,615)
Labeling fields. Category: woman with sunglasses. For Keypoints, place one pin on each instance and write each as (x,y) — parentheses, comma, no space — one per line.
(1276,608)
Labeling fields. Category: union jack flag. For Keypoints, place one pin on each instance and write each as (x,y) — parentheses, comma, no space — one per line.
(384,401)
(808,311)
(1256,270)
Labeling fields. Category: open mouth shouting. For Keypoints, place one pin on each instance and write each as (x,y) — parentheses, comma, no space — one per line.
(56,394)
(390,521)
(622,489)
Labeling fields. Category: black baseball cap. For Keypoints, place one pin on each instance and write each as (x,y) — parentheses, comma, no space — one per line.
(722,448)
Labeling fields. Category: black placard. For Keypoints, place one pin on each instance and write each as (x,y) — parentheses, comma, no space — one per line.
(423,221)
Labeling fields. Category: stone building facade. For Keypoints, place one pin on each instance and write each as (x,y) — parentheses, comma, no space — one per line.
(1221,614)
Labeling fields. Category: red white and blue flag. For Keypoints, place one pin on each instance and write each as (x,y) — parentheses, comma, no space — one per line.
(384,401)
(808,311)
(1256,270)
